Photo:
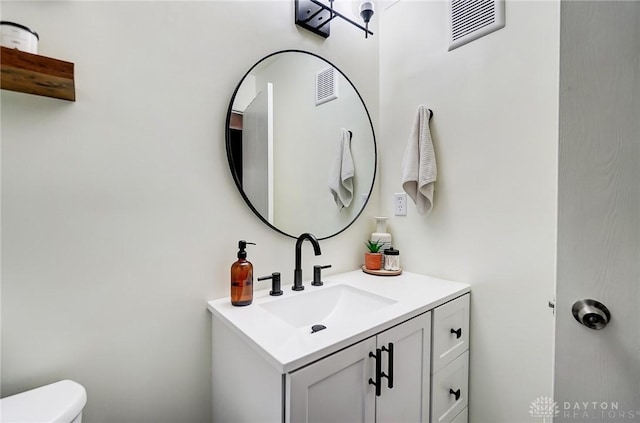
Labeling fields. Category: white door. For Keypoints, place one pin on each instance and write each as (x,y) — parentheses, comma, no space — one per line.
(408,399)
(597,372)
(334,389)
(257,152)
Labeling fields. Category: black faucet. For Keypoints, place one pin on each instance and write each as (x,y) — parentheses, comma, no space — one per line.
(297,273)
(275,283)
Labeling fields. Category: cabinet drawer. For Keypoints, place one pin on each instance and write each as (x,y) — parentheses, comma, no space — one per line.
(450,331)
(450,390)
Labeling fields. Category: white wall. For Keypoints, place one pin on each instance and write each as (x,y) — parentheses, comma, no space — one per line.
(120,218)
(494,221)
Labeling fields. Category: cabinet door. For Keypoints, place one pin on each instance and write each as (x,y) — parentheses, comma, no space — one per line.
(334,389)
(408,400)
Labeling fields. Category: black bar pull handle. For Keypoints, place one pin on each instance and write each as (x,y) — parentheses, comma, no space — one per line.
(377,382)
(389,375)
(458,332)
(455,393)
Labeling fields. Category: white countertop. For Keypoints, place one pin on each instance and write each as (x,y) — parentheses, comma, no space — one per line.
(287,348)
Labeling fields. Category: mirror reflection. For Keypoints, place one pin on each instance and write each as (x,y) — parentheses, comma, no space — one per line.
(301,145)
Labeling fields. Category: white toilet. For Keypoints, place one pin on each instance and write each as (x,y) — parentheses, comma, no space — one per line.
(60,402)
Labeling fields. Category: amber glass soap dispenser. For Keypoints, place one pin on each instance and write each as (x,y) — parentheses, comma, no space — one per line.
(242,277)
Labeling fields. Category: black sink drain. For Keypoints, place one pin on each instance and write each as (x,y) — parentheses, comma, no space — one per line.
(317,328)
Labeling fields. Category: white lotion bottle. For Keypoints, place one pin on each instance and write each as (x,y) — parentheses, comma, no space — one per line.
(381,235)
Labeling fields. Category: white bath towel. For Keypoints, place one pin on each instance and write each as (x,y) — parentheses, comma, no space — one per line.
(342,172)
(419,163)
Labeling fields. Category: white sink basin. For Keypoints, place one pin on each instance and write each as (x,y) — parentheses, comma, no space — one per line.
(329,306)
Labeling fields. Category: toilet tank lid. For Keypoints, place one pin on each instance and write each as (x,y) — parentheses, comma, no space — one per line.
(58,402)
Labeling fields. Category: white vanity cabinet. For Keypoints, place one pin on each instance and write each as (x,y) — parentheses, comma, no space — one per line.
(340,388)
(405,360)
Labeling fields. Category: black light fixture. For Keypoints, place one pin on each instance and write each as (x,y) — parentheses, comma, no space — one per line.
(315,16)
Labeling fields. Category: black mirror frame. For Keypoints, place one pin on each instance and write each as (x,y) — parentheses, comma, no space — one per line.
(230,157)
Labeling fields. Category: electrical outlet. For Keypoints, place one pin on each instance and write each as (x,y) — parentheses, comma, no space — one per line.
(400,204)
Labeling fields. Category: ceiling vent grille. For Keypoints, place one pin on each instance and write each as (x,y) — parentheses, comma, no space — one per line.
(472,19)
(326,85)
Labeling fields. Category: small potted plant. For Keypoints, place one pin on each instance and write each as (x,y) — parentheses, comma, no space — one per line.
(373,257)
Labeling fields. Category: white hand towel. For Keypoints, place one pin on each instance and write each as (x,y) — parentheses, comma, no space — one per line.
(419,164)
(342,172)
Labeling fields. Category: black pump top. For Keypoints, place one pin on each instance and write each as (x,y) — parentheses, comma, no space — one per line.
(242,244)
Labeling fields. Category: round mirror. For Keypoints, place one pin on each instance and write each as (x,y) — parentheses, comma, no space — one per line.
(301,145)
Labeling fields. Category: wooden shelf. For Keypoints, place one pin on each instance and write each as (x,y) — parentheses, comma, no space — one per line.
(35,74)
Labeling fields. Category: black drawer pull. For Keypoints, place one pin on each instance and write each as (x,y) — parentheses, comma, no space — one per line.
(389,376)
(458,332)
(455,393)
(378,382)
